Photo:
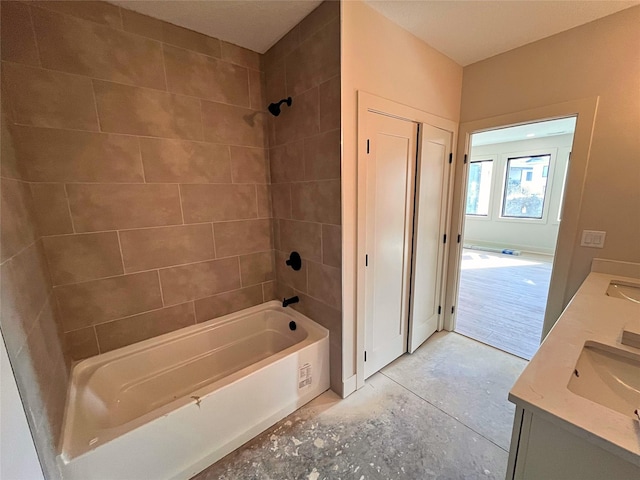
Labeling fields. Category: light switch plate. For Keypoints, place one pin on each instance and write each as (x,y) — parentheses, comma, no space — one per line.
(593,238)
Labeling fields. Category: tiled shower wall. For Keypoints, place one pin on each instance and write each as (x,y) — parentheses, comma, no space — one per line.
(305,169)
(27,312)
(144,147)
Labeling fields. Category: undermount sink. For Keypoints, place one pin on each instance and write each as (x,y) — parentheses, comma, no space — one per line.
(608,376)
(625,290)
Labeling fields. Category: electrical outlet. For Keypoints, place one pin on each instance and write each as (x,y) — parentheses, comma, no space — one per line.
(592,239)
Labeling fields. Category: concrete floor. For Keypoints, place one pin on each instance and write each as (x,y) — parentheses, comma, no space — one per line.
(440,413)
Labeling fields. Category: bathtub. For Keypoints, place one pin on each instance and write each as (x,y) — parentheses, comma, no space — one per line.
(168,407)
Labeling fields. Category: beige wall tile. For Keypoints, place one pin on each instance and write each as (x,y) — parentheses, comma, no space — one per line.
(240,56)
(303,237)
(166,246)
(269,291)
(157,29)
(99,12)
(330,104)
(191,73)
(119,333)
(332,245)
(17,229)
(257,268)
(225,303)
(257,90)
(171,161)
(215,203)
(51,210)
(282,290)
(281,198)
(283,46)
(275,86)
(98,301)
(299,121)
(96,207)
(79,258)
(316,201)
(82,343)
(265,209)
(287,275)
(322,156)
(24,290)
(44,98)
(52,155)
(17,43)
(243,237)
(199,280)
(85,48)
(325,284)
(316,60)
(323,14)
(249,165)
(233,125)
(287,162)
(140,111)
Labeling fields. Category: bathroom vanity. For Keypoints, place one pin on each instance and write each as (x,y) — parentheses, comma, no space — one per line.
(578,400)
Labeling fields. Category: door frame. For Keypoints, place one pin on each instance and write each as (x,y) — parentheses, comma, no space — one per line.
(368,102)
(585,110)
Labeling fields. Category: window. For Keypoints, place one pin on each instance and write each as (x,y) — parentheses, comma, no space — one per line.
(479,187)
(525,186)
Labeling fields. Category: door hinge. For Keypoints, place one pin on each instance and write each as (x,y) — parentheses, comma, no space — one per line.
(367,145)
(453,309)
(465,158)
(366,260)
(445,238)
(365,355)
(439,309)
(450,157)
(459,238)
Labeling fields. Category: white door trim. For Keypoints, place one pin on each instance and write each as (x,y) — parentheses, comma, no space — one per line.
(585,109)
(372,103)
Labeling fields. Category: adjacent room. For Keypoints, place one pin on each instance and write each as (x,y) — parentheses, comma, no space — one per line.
(308,239)
(513,209)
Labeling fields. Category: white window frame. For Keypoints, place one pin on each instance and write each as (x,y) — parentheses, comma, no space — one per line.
(490,214)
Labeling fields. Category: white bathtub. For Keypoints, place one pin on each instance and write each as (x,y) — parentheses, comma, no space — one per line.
(168,407)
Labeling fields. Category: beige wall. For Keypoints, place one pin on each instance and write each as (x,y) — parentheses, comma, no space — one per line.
(602,59)
(145,149)
(305,168)
(381,58)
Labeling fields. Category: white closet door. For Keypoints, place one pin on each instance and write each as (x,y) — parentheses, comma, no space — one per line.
(428,238)
(390,172)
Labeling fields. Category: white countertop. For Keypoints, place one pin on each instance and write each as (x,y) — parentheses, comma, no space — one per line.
(542,386)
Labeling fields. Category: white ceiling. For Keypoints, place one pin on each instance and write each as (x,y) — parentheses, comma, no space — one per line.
(549,128)
(253,24)
(468,31)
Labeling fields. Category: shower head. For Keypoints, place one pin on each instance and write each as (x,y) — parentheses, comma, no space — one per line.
(274,108)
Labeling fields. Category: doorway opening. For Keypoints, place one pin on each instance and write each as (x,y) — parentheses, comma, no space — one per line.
(513,201)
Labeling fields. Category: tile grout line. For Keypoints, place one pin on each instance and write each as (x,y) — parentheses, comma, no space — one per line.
(161,292)
(180,200)
(124,270)
(35,36)
(66,197)
(137,135)
(441,410)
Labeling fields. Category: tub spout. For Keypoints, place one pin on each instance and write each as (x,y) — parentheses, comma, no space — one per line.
(288,301)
